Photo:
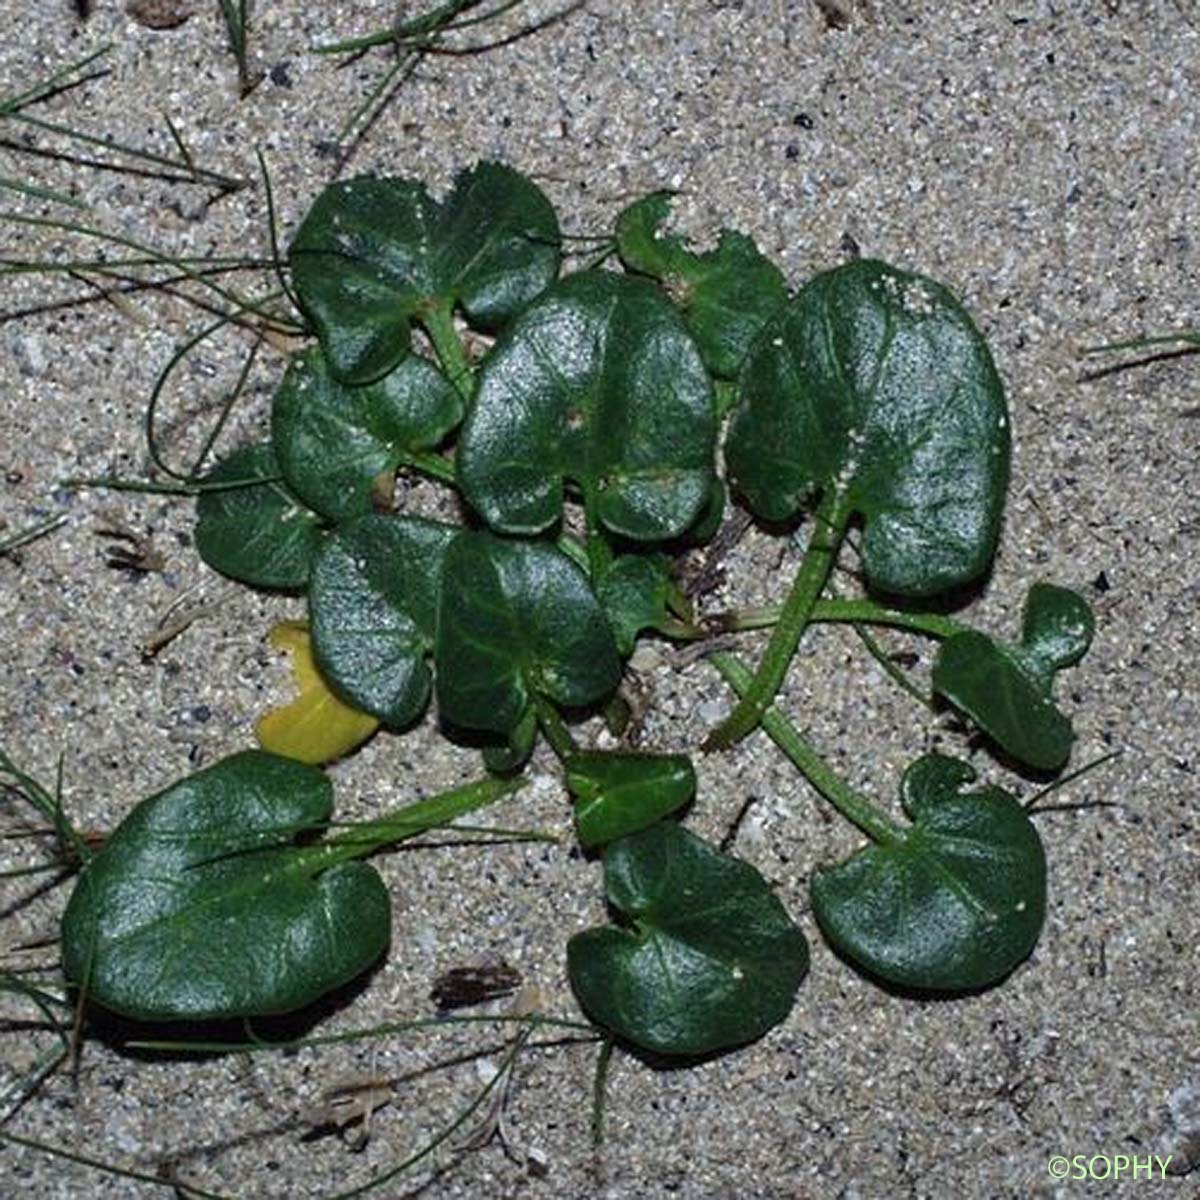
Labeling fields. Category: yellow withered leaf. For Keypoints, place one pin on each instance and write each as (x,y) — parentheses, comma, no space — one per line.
(317,726)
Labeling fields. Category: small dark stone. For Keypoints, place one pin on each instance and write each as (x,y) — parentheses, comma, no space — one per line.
(792,152)
(1100,583)
(803,121)
(281,74)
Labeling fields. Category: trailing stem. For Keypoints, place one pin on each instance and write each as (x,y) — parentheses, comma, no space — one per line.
(555,729)
(855,807)
(438,322)
(828,529)
(407,822)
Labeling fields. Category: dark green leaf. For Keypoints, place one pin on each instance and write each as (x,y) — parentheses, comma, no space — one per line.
(618,793)
(876,384)
(510,755)
(710,958)
(955,904)
(199,906)
(726,295)
(373,253)
(261,534)
(708,520)
(517,619)
(633,593)
(597,382)
(332,440)
(1007,690)
(373,603)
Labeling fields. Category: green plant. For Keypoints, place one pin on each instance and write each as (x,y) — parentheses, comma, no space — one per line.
(584,447)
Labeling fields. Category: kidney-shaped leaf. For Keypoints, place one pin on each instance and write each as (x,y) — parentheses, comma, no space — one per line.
(1007,690)
(332,440)
(709,958)
(875,383)
(199,905)
(600,383)
(372,253)
(956,903)
(619,792)
(726,295)
(517,619)
(373,602)
(260,533)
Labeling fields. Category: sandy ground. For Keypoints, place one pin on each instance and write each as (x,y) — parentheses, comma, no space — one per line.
(1038,157)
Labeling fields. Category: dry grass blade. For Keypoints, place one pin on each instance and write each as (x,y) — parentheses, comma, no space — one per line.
(412,41)
(115,156)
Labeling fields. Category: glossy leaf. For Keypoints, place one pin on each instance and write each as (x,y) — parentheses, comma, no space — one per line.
(333,440)
(708,958)
(875,384)
(317,726)
(373,602)
(726,294)
(633,593)
(372,254)
(956,903)
(617,792)
(598,382)
(261,534)
(200,906)
(517,619)
(1007,690)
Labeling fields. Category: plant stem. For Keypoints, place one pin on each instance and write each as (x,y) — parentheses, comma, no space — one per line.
(828,529)
(599,552)
(439,324)
(855,807)
(555,729)
(428,463)
(839,612)
(407,822)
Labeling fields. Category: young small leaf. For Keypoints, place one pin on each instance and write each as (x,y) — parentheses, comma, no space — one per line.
(333,440)
(1007,690)
(955,904)
(597,382)
(517,619)
(875,384)
(261,533)
(619,793)
(726,295)
(373,253)
(710,958)
(373,602)
(200,907)
(317,726)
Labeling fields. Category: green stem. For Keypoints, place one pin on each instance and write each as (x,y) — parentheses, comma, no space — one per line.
(428,463)
(555,729)
(837,611)
(439,324)
(828,529)
(855,807)
(407,822)
(599,552)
